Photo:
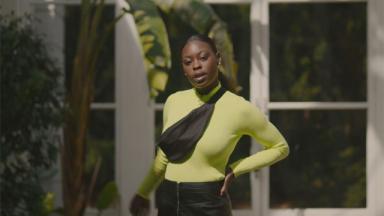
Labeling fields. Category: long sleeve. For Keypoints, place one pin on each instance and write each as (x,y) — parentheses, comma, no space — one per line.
(253,122)
(156,172)
(232,118)
(155,175)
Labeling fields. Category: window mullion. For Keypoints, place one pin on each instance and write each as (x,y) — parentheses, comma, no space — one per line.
(317,105)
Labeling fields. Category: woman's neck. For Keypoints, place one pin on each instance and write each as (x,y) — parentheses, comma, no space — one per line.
(208,89)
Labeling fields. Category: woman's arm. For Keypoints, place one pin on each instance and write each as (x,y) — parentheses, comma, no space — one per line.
(155,175)
(253,122)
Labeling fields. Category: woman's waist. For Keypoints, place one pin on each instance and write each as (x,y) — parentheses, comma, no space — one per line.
(195,186)
(180,173)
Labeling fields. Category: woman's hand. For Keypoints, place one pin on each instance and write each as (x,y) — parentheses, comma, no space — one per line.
(139,206)
(229,177)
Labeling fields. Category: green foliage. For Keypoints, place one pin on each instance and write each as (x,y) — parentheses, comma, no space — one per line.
(326,167)
(201,17)
(318,52)
(31,114)
(48,204)
(108,195)
(155,45)
(155,41)
(92,37)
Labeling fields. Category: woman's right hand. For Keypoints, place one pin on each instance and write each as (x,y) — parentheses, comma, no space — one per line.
(139,206)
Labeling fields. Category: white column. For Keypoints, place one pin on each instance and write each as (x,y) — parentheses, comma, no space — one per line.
(375,133)
(134,111)
(259,96)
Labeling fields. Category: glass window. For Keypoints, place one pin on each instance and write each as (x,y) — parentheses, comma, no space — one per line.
(318,52)
(326,165)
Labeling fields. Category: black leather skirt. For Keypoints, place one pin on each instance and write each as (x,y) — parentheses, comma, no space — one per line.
(192,199)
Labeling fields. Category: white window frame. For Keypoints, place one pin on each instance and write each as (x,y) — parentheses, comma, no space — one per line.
(374,141)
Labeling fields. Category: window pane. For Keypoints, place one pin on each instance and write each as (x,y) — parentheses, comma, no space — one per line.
(105,68)
(100,145)
(318,52)
(326,166)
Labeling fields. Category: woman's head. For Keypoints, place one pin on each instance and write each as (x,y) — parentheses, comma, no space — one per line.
(200,61)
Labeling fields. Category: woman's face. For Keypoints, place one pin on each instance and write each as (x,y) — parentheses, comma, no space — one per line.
(200,65)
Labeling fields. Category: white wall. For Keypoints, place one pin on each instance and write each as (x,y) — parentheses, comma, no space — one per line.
(135,117)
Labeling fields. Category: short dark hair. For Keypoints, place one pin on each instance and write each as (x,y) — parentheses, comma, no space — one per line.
(226,83)
(202,38)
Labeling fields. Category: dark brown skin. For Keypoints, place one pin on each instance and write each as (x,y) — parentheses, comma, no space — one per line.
(139,206)
(200,66)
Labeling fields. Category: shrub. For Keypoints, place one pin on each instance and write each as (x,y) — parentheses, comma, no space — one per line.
(31,114)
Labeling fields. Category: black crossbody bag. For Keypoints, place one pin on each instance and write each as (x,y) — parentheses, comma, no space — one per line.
(180,139)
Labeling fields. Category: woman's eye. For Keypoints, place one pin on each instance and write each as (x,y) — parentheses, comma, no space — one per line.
(187,62)
(204,58)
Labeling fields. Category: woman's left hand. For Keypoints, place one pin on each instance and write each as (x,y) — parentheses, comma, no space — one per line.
(229,177)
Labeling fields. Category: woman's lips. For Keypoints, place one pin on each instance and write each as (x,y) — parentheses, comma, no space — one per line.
(198,78)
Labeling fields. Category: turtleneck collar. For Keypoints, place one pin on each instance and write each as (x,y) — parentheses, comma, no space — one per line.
(207,96)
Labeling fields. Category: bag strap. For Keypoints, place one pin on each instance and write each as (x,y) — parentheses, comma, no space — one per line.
(180,139)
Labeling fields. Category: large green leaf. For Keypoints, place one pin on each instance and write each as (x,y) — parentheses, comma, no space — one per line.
(107,196)
(154,41)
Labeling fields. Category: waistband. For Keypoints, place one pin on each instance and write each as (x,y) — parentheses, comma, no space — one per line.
(195,185)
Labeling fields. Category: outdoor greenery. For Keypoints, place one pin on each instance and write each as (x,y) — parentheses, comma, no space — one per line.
(100,132)
(31,114)
(78,183)
(318,52)
(155,42)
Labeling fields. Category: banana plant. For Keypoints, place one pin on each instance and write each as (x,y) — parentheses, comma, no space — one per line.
(91,39)
(155,45)
(154,38)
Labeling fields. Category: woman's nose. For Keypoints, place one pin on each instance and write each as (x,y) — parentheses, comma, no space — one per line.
(196,65)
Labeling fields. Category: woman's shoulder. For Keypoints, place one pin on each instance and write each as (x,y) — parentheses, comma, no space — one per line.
(239,104)
(235,99)
(179,95)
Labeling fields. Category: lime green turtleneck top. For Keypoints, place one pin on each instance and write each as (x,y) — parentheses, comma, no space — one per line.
(232,118)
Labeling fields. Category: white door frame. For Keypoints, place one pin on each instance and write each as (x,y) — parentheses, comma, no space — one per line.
(374,106)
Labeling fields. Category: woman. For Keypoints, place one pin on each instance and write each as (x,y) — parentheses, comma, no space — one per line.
(196,183)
